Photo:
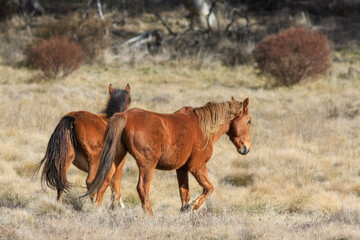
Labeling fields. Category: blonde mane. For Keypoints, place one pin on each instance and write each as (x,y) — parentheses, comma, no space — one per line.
(212,116)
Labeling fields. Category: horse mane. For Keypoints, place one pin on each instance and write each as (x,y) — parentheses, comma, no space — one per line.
(212,116)
(117,102)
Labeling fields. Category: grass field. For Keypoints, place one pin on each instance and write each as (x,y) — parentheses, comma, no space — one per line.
(301,179)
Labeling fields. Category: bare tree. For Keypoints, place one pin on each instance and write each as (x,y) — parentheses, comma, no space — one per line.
(202,13)
(30,8)
(98,4)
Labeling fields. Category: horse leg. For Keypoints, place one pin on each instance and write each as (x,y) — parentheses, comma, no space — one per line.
(59,195)
(201,175)
(106,183)
(90,178)
(143,188)
(183,181)
(115,187)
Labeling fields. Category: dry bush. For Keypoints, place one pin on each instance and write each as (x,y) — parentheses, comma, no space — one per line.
(293,55)
(12,48)
(89,33)
(12,195)
(229,52)
(56,56)
(235,53)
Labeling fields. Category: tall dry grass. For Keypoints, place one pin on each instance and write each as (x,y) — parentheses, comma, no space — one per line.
(300,181)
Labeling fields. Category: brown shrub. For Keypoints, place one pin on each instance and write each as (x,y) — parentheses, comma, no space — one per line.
(89,33)
(293,55)
(56,56)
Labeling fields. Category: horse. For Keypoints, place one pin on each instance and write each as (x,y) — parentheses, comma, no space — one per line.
(78,139)
(181,141)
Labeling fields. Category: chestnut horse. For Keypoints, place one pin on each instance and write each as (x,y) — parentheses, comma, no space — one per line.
(182,141)
(78,139)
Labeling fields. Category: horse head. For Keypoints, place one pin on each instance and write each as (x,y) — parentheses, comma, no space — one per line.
(119,100)
(239,131)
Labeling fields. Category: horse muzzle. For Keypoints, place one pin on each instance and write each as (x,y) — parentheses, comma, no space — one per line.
(244,150)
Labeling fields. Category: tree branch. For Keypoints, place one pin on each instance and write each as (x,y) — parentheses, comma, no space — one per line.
(238,12)
(213,4)
(169,29)
(86,13)
(102,17)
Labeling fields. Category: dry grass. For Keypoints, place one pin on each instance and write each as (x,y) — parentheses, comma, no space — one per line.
(300,180)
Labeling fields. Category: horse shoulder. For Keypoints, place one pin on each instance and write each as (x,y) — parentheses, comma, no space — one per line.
(196,136)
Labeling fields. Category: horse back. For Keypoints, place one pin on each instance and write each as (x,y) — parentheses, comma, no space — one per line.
(168,138)
(169,126)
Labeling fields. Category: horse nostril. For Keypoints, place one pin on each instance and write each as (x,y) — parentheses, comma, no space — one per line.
(243,150)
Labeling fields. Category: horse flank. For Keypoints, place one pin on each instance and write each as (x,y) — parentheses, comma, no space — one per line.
(212,116)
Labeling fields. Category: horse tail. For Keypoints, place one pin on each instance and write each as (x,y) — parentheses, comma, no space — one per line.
(62,139)
(112,146)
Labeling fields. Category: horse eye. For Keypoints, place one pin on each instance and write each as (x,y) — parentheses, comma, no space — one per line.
(249,122)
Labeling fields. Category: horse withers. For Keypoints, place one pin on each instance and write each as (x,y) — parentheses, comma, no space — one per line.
(182,141)
(78,139)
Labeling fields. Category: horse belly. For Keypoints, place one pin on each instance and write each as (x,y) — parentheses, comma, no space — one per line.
(171,161)
(176,152)
(81,162)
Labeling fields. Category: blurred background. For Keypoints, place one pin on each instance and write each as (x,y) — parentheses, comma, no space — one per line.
(131,31)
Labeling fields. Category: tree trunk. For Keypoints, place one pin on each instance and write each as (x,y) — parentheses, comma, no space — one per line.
(200,9)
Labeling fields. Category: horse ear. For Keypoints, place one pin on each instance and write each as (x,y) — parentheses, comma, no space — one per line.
(232,98)
(245,103)
(127,88)
(111,89)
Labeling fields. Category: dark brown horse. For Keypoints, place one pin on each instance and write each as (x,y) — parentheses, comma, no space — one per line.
(182,141)
(78,139)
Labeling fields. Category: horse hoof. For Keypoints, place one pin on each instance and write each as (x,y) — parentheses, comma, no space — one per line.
(112,207)
(121,204)
(186,208)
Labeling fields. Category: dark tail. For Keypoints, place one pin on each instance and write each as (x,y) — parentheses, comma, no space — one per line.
(112,146)
(62,139)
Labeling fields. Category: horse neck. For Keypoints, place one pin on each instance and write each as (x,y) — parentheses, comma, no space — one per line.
(224,128)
